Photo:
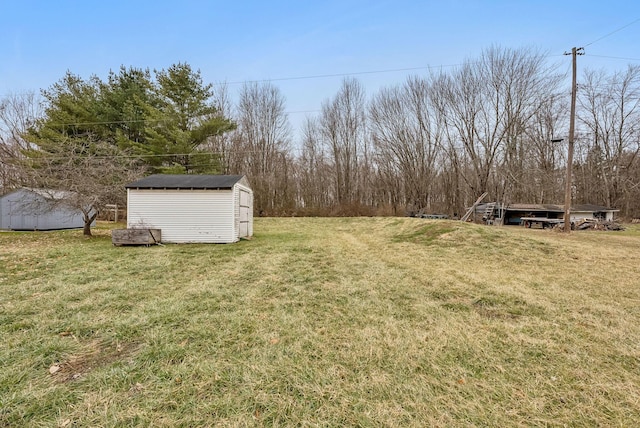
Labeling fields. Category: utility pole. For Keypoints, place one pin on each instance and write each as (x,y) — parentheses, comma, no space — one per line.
(572,126)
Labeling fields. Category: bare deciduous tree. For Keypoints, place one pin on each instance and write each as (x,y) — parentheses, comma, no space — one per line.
(407,136)
(545,152)
(433,143)
(610,110)
(264,130)
(489,105)
(313,172)
(343,128)
(91,176)
(228,146)
(17,113)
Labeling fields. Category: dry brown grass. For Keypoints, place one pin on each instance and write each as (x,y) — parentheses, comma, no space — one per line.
(324,322)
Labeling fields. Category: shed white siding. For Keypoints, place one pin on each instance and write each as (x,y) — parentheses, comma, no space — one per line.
(579,215)
(192,208)
(184,216)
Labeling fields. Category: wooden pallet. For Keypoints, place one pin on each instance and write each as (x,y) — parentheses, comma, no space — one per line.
(136,236)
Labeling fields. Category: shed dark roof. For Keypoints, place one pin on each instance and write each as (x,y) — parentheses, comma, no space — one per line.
(536,207)
(591,207)
(185,181)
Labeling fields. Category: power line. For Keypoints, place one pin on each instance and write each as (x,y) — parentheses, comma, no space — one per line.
(302,111)
(116,122)
(321,76)
(163,155)
(355,73)
(314,76)
(613,32)
(121,122)
(614,57)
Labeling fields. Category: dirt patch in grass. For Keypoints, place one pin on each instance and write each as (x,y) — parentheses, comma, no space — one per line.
(96,354)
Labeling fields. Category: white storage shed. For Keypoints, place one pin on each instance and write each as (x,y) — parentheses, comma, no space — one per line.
(192,208)
(38,209)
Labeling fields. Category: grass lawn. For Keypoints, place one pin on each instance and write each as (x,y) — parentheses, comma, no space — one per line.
(323,322)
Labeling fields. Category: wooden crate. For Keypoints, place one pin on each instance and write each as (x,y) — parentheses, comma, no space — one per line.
(136,236)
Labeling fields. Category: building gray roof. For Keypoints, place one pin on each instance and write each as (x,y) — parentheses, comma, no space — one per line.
(558,208)
(186,181)
(592,207)
(50,194)
(550,207)
(536,207)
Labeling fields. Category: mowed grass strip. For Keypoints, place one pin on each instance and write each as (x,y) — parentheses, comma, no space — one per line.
(323,322)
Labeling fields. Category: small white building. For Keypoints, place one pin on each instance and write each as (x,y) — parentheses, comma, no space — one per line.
(38,209)
(192,208)
(590,211)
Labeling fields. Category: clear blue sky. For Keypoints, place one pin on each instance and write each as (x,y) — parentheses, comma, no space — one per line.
(235,41)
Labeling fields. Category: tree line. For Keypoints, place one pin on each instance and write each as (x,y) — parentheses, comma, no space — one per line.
(432,143)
